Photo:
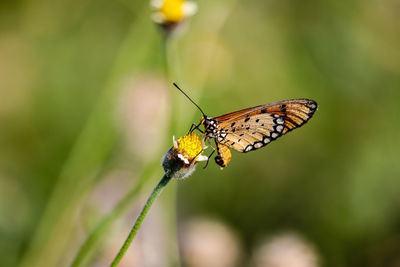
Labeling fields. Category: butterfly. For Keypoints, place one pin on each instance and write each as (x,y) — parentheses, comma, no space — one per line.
(255,127)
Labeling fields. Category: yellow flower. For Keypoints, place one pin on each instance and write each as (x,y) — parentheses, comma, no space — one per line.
(180,160)
(171,12)
(188,147)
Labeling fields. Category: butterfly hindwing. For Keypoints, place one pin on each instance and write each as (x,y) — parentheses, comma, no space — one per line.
(254,132)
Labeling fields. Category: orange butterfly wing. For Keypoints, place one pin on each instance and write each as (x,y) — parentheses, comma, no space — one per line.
(252,128)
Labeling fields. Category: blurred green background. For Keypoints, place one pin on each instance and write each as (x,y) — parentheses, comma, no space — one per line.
(85,104)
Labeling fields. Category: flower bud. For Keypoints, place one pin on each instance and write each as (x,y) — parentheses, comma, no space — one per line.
(180,160)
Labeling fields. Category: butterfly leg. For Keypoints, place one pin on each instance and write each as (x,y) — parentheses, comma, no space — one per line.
(208,141)
(198,154)
(194,127)
(205,166)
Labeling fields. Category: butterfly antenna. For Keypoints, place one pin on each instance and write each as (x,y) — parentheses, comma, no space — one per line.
(189,98)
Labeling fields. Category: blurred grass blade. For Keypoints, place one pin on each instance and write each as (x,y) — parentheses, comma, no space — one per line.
(101,230)
(89,153)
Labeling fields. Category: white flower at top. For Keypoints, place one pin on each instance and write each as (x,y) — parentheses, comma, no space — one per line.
(172,12)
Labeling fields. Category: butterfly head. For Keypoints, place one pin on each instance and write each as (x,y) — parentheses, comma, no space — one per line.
(206,121)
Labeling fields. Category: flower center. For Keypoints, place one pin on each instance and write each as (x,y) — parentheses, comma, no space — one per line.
(190,145)
(172,10)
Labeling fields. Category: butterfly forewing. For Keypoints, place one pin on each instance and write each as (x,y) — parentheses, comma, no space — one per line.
(255,127)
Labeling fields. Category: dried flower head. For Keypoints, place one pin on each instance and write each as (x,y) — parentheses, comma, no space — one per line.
(180,160)
(169,13)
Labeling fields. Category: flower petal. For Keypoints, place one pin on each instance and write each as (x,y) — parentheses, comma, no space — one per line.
(202,158)
(182,157)
(158,17)
(189,8)
(156,3)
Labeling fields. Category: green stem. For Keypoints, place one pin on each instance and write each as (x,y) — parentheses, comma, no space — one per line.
(99,233)
(157,190)
(169,74)
(168,43)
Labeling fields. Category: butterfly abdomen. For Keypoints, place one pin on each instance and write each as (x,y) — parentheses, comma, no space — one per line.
(224,155)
